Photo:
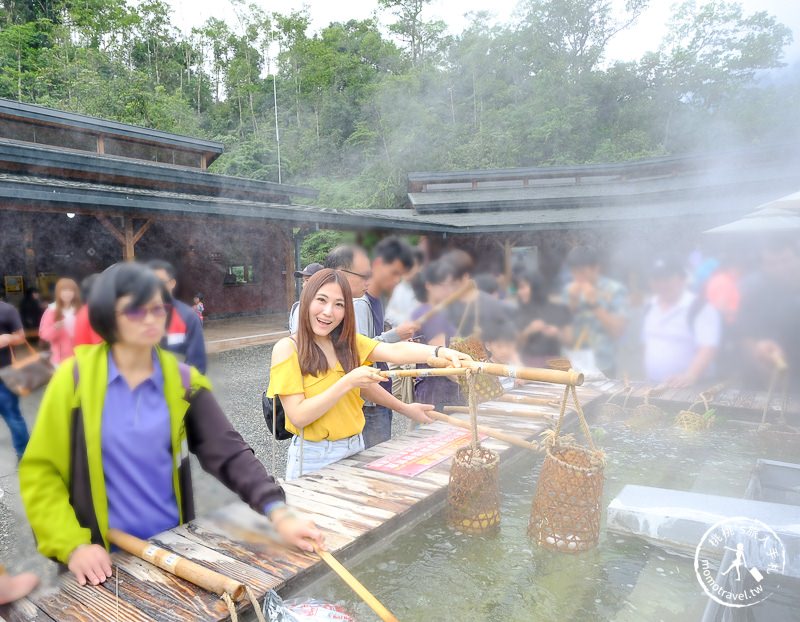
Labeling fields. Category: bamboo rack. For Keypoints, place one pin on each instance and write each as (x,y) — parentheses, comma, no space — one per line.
(553,376)
(482,429)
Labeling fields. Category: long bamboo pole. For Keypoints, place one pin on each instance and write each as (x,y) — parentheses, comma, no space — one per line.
(177,565)
(424,373)
(552,376)
(374,604)
(497,412)
(482,429)
(526,399)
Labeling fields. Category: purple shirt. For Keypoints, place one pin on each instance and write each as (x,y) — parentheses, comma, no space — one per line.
(435,390)
(137,454)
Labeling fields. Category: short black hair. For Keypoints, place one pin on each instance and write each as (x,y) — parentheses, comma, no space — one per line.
(435,272)
(341,257)
(122,279)
(460,263)
(161,264)
(583,257)
(539,290)
(392,249)
(487,283)
(499,330)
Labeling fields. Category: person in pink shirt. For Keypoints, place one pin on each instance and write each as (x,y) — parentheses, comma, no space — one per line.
(58,321)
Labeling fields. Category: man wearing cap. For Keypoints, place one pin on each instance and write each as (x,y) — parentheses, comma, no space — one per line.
(681,332)
(305,274)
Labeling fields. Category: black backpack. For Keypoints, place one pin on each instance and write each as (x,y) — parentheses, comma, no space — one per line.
(275,417)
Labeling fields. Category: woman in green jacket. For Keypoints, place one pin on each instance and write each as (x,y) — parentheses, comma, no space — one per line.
(110,445)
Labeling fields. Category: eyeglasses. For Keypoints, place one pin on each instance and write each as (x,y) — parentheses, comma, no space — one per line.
(366,275)
(138,314)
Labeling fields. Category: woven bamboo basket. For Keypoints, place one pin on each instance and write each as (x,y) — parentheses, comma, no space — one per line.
(612,409)
(566,510)
(647,415)
(473,495)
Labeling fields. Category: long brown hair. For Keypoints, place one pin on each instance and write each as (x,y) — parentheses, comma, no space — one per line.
(61,285)
(312,358)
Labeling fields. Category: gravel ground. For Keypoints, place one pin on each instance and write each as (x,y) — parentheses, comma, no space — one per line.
(238,377)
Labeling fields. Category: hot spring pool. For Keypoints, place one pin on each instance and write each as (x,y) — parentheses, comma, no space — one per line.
(432,573)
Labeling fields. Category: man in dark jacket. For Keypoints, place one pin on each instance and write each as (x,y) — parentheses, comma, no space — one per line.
(185,331)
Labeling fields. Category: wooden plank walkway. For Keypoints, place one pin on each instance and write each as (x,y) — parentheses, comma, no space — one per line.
(355,506)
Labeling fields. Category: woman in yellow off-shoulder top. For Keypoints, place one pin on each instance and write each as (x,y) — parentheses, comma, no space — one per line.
(321,373)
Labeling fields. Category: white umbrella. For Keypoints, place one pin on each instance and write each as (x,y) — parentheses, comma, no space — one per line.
(777,216)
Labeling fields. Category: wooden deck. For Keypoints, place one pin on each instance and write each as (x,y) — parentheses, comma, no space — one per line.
(748,403)
(355,506)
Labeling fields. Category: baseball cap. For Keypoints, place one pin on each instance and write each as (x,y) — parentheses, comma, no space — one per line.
(310,270)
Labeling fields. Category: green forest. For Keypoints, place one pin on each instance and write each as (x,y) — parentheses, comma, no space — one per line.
(359,104)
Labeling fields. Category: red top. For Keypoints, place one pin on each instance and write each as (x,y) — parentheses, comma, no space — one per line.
(84,334)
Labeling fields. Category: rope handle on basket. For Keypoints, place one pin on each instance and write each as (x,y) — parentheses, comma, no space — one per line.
(570,390)
(476,328)
(472,399)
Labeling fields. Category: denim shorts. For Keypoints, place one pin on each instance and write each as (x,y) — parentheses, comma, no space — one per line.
(319,454)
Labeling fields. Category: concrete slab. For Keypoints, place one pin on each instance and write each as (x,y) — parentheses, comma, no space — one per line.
(676,520)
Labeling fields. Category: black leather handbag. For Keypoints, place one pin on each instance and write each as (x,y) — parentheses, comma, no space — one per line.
(275,417)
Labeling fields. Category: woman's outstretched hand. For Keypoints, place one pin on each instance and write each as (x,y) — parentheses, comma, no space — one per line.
(418,412)
(363,377)
(454,356)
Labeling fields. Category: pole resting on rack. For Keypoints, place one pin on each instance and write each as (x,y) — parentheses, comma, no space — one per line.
(553,376)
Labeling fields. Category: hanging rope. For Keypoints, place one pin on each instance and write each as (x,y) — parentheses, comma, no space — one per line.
(473,406)
(231,607)
(254,601)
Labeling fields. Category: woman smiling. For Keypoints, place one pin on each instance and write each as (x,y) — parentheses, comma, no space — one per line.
(321,373)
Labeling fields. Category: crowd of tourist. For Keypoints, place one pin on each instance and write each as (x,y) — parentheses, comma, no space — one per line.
(140,407)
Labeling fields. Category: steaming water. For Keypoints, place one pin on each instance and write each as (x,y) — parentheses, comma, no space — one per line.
(433,573)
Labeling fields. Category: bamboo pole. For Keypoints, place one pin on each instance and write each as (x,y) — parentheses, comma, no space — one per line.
(526,399)
(462,291)
(177,565)
(354,584)
(482,429)
(498,412)
(424,373)
(552,376)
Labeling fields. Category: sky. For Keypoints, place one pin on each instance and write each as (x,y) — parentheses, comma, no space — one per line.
(645,35)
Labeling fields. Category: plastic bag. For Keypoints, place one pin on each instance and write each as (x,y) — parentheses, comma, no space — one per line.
(296,610)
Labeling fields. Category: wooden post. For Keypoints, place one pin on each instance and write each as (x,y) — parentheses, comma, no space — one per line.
(101,143)
(127,237)
(203,162)
(127,248)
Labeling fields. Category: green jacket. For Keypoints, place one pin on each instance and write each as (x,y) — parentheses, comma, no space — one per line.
(61,473)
